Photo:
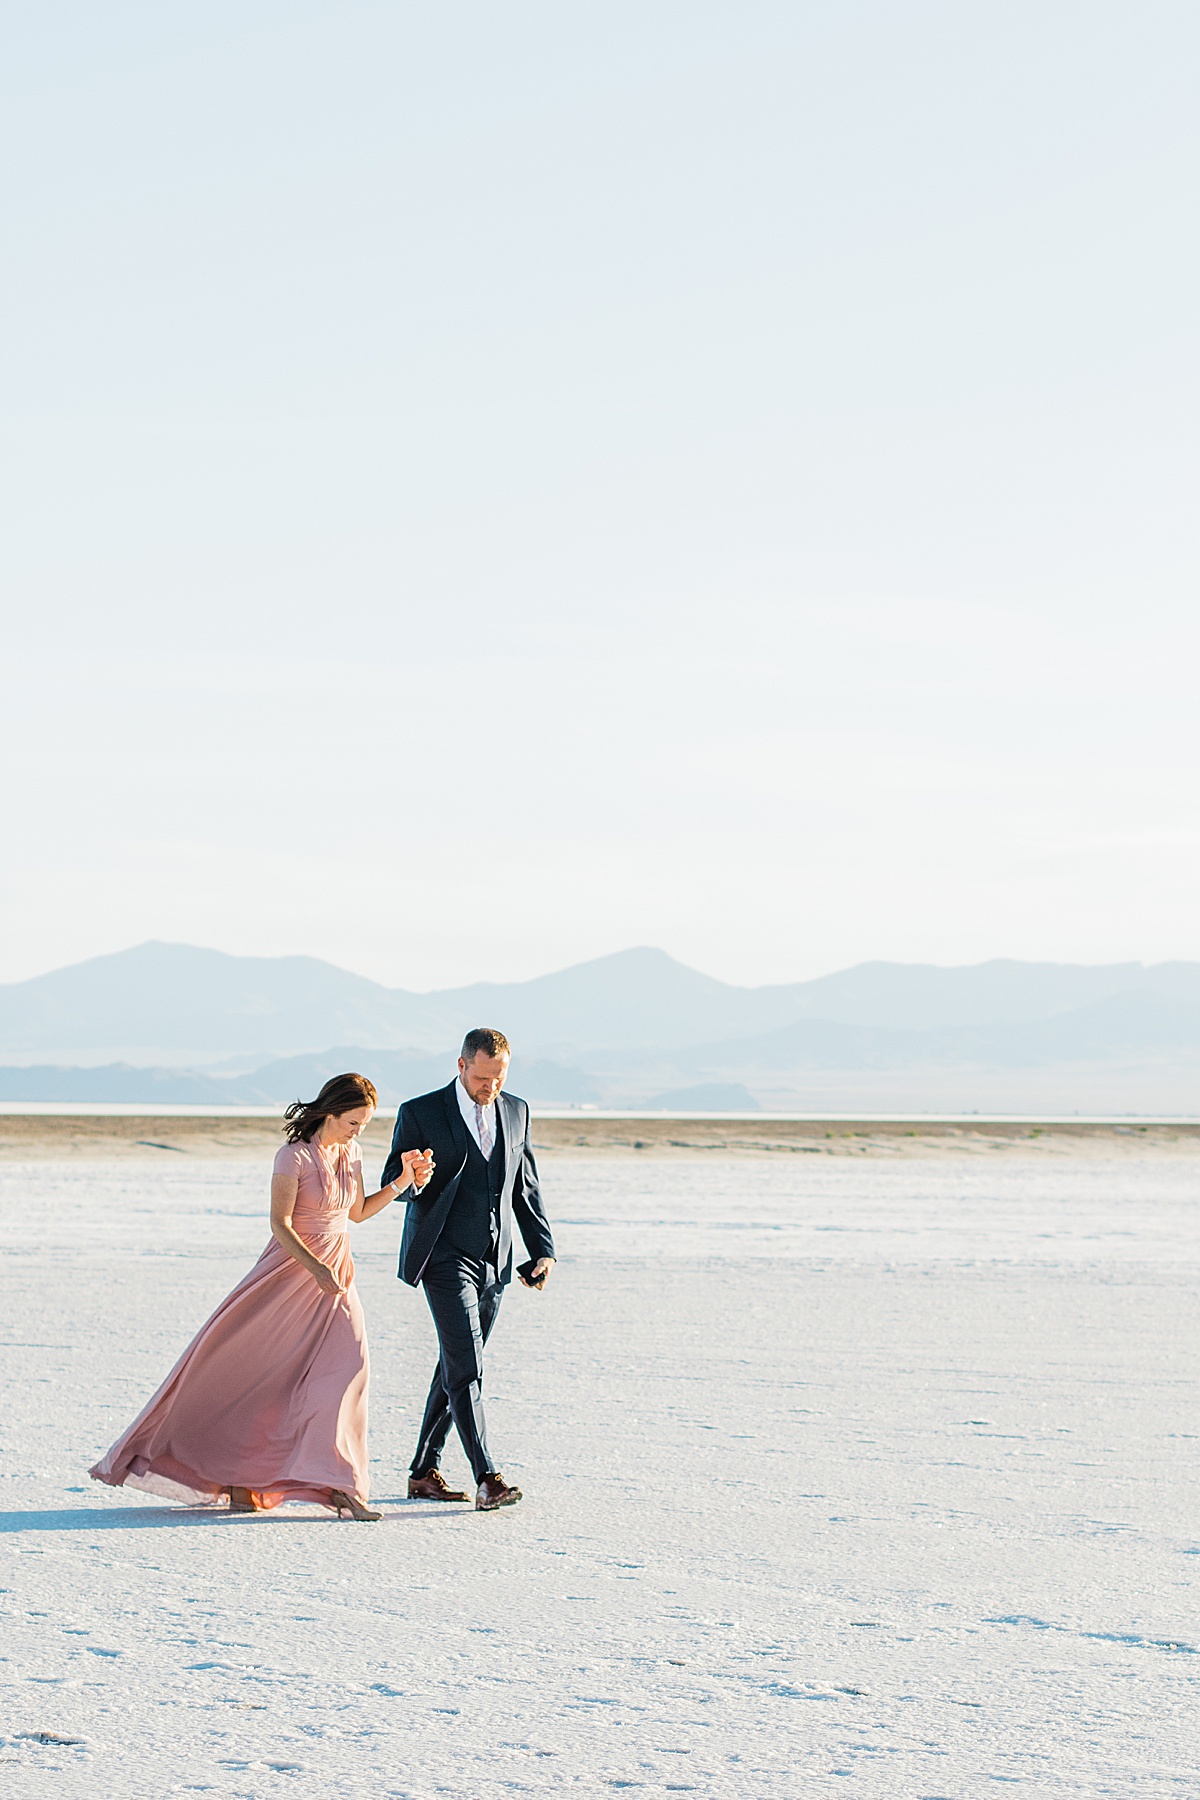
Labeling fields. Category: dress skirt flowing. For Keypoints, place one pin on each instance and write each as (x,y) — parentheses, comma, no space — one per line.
(271,1394)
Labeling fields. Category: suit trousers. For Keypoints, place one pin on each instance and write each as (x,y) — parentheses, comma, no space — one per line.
(464,1295)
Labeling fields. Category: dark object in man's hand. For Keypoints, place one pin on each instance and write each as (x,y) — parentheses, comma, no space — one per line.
(525,1271)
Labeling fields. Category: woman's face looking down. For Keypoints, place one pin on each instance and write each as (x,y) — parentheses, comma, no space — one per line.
(343,1128)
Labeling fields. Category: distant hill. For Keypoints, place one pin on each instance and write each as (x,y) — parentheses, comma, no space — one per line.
(635,1027)
(177,998)
(1129,1026)
(397,1075)
(923,996)
(117,1082)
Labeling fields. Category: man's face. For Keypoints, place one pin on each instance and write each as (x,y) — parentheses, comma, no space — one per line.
(483,1076)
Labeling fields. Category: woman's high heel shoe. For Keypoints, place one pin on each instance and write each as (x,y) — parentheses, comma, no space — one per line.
(356,1509)
(242,1500)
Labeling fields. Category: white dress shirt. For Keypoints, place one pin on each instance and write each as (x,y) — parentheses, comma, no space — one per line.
(466,1107)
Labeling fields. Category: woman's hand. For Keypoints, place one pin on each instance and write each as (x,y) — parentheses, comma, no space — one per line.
(417,1168)
(327,1281)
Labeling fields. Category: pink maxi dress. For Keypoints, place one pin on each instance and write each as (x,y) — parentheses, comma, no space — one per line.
(271,1394)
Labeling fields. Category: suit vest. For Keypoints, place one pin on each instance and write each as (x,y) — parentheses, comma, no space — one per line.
(473,1223)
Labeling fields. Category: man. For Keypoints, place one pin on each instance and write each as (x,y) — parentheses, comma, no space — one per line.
(457,1244)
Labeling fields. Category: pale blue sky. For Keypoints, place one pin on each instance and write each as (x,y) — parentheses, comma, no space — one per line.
(494,483)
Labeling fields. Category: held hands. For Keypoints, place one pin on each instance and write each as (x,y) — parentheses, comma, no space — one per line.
(416,1167)
(536,1277)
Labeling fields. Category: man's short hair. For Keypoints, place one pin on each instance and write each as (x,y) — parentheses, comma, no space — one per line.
(492,1043)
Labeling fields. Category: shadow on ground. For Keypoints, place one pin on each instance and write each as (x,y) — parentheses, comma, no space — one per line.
(149,1518)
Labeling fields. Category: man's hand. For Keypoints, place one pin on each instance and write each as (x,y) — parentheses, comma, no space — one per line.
(536,1277)
(417,1167)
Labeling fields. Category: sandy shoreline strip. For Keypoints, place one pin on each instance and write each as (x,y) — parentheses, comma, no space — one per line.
(153,1137)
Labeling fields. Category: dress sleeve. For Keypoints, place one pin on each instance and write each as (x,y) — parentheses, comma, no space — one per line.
(289,1160)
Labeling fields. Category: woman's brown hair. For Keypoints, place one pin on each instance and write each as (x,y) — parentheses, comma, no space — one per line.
(341,1094)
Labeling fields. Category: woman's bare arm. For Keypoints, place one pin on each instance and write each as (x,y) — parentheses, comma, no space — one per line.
(283,1202)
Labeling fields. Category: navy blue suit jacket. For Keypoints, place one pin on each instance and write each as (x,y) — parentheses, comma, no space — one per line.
(434,1122)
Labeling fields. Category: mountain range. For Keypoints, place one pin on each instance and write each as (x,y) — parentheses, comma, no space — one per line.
(634,1027)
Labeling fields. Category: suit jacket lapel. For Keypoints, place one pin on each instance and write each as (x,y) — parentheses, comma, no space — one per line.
(458,1130)
(505,1127)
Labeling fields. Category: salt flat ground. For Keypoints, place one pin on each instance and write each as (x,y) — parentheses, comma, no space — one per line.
(851,1478)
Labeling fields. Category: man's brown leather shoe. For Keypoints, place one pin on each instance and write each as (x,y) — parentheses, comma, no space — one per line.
(494,1491)
(430,1486)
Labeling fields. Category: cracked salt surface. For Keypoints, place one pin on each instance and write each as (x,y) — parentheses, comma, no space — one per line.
(903,1510)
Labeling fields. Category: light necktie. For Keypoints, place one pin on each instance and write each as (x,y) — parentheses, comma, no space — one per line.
(485,1133)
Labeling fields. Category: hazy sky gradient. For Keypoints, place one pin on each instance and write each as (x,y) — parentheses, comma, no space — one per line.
(494,483)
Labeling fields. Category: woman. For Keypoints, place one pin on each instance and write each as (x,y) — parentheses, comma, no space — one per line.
(269,1402)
